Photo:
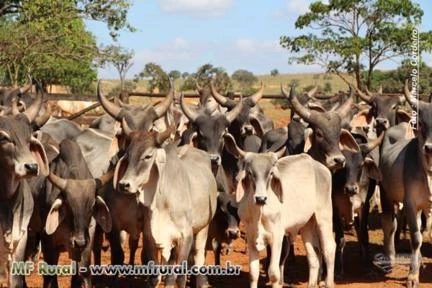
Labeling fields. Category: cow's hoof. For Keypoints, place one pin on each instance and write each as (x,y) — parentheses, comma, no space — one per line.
(202,281)
(413,281)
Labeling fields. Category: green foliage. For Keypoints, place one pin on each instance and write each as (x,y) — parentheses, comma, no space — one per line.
(184,75)
(327,87)
(204,75)
(349,31)
(128,86)
(274,72)
(174,74)
(118,57)
(156,76)
(245,80)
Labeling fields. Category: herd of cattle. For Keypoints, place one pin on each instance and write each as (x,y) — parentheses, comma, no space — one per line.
(185,176)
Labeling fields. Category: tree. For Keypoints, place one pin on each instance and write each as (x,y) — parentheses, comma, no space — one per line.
(327,87)
(120,58)
(156,76)
(245,79)
(185,75)
(174,74)
(113,13)
(56,49)
(204,75)
(356,34)
(274,72)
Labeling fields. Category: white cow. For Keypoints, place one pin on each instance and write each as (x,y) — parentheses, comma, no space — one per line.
(282,196)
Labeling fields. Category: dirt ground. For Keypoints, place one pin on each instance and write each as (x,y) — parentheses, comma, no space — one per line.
(357,274)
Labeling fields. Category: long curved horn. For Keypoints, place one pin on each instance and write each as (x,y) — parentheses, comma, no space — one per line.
(32,111)
(192,115)
(363,96)
(42,119)
(411,100)
(198,87)
(161,137)
(125,127)
(111,108)
(257,96)
(380,90)
(222,100)
(27,87)
(312,92)
(105,178)
(232,115)
(371,145)
(14,103)
(57,181)
(302,111)
(346,107)
(368,92)
(163,106)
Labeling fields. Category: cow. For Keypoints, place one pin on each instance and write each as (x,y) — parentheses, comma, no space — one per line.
(21,156)
(351,195)
(406,168)
(178,191)
(60,129)
(281,196)
(73,209)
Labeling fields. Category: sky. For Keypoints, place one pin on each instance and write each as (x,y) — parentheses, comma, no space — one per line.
(233,34)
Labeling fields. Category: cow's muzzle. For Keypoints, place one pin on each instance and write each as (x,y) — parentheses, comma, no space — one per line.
(382,123)
(260,200)
(215,159)
(124,186)
(351,190)
(233,233)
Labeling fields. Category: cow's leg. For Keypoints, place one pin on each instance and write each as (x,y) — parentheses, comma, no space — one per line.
(414,223)
(51,257)
(340,243)
(199,255)
(276,249)
(328,247)
(133,246)
(362,234)
(117,255)
(18,281)
(98,240)
(253,262)
(309,235)
(286,250)
(183,254)
(389,224)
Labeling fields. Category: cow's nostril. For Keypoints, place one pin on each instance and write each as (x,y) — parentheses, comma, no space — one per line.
(233,233)
(31,167)
(351,190)
(340,160)
(79,243)
(260,200)
(124,186)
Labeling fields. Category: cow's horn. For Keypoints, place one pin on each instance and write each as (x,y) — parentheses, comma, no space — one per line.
(371,145)
(222,100)
(231,115)
(42,119)
(161,137)
(27,87)
(411,100)
(192,115)
(346,107)
(312,92)
(257,96)
(108,106)
(163,106)
(367,98)
(104,179)
(15,109)
(57,181)
(32,111)
(296,105)
(125,127)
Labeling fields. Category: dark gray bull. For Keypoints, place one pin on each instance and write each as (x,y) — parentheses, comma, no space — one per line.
(406,166)
(72,210)
(21,156)
(326,138)
(351,195)
(178,190)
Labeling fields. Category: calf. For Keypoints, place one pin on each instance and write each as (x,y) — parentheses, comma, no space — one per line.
(73,212)
(282,196)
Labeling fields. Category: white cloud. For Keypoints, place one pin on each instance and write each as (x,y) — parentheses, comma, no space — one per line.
(197,7)
(297,7)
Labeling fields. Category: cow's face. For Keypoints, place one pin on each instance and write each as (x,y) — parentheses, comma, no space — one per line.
(142,160)
(78,200)
(424,132)
(227,212)
(384,109)
(21,154)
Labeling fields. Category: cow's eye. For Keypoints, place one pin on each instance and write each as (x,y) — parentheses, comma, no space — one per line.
(319,134)
(4,139)
(147,157)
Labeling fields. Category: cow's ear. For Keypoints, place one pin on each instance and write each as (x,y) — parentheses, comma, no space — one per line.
(402,116)
(120,170)
(232,147)
(276,184)
(102,215)
(193,140)
(55,216)
(242,185)
(257,126)
(347,142)
(372,169)
(308,134)
(40,156)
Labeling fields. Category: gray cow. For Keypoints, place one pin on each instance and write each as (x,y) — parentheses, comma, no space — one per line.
(282,196)
(406,166)
(21,156)
(178,190)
